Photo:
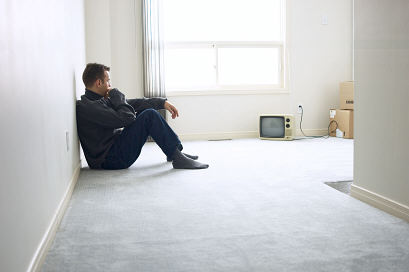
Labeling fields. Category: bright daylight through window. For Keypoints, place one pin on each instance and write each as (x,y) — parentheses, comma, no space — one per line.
(224,44)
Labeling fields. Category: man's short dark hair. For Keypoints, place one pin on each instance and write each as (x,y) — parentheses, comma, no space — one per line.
(93,72)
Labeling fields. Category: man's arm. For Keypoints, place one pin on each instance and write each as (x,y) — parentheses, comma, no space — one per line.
(156,103)
(112,113)
(141,104)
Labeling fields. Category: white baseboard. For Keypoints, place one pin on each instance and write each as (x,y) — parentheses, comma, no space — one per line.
(311,132)
(48,237)
(242,134)
(218,135)
(380,202)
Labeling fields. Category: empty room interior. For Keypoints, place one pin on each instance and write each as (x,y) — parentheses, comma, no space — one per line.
(298,108)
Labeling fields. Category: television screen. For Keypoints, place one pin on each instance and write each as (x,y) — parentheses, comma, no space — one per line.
(272,127)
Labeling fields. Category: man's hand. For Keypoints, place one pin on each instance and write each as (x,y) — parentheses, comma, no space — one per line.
(172,109)
(107,93)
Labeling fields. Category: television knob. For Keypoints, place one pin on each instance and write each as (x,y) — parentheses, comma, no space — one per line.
(287,126)
(287,120)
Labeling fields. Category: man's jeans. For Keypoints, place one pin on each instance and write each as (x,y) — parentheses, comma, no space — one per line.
(129,143)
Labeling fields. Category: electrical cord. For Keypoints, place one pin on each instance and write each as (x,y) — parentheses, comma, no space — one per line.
(314,137)
(335,129)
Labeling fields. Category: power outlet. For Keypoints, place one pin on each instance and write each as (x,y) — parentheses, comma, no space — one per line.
(299,108)
(324,20)
(67,140)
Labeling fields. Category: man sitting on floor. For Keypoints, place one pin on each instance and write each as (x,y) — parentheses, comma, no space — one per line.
(112,130)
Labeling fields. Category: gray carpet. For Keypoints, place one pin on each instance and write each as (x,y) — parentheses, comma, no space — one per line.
(261,206)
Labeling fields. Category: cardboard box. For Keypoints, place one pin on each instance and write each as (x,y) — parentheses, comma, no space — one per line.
(344,121)
(346,95)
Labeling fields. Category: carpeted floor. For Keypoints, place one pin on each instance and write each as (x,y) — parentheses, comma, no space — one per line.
(261,206)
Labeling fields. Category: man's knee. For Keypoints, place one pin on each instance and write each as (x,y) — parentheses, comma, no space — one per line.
(149,112)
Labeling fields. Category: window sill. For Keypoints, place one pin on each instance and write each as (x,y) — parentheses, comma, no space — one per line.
(227,92)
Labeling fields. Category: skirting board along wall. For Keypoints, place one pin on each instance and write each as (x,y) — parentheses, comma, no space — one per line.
(243,134)
(48,237)
(380,202)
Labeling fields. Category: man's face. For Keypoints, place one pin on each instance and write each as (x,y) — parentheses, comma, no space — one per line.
(106,83)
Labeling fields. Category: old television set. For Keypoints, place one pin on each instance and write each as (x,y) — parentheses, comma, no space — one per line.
(276,127)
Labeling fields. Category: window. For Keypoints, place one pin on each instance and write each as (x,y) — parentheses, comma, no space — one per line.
(224,44)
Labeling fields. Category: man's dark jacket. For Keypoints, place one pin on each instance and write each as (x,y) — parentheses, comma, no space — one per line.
(100,120)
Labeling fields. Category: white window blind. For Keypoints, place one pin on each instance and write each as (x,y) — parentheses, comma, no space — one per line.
(223,44)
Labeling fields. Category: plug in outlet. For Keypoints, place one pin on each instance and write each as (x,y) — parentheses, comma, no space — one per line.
(299,108)
(67,140)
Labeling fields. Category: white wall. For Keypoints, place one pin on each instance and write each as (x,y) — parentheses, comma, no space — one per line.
(113,35)
(42,54)
(381,54)
(320,58)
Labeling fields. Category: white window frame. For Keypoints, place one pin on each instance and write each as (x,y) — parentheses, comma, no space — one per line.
(241,88)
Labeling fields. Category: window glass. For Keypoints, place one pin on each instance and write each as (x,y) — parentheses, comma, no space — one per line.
(249,66)
(190,67)
(216,44)
(222,20)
